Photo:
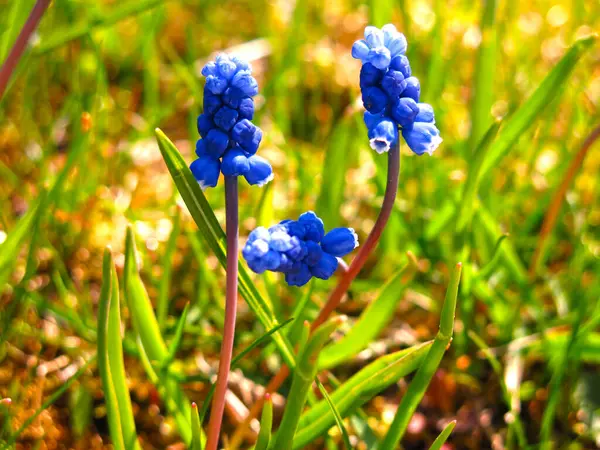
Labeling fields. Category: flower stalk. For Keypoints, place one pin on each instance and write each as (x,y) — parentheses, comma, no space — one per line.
(232,231)
(345,279)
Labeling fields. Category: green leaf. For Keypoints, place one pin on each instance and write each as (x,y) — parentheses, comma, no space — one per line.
(162,304)
(266,424)
(359,389)
(549,89)
(176,342)
(117,364)
(209,226)
(419,384)
(336,414)
(368,326)
(443,436)
(152,345)
(16,19)
(113,413)
(196,430)
(304,375)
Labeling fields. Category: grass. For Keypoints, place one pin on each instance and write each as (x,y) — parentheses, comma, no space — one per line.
(516,93)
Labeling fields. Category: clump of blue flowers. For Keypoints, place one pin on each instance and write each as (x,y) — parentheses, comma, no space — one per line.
(228,138)
(298,248)
(391,94)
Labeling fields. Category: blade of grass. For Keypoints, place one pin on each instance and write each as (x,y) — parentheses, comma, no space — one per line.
(443,436)
(302,380)
(359,389)
(209,226)
(548,90)
(419,384)
(266,424)
(117,364)
(370,323)
(176,342)
(113,414)
(336,414)
(196,430)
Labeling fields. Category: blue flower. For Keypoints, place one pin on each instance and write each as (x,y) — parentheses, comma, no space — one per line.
(340,241)
(423,137)
(260,171)
(391,94)
(298,248)
(206,171)
(383,135)
(229,140)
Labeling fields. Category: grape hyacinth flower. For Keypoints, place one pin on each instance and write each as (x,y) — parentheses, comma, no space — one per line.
(228,138)
(391,94)
(299,248)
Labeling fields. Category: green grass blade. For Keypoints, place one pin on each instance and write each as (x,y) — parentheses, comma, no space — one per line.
(483,97)
(443,436)
(209,226)
(117,365)
(266,424)
(151,340)
(177,337)
(304,375)
(113,413)
(419,384)
(336,414)
(196,430)
(16,19)
(368,326)
(526,115)
(162,304)
(358,390)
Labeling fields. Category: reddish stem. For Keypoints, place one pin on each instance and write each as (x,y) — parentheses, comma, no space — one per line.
(19,46)
(335,298)
(232,231)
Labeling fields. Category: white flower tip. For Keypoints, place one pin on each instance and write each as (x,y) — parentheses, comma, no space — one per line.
(202,185)
(379,145)
(266,180)
(355,237)
(435,142)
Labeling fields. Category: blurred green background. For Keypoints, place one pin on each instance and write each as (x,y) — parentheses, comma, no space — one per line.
(79,162)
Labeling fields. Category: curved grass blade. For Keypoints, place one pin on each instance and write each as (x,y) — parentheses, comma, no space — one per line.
(113,413)
(370,323)
(525,116)
(336,414)
(117,364)
(176,342)
(358,390)
(443,436)
(196,430)
(152,344)
(419,384)
(210,228)
(304,376)
(266,424)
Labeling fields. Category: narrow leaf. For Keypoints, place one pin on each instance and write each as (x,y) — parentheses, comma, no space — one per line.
(266,424)
(176,342)
(336,414)
(419,384)
(210,229)
(113,414)
(196,430)
(162,304)
(443,436)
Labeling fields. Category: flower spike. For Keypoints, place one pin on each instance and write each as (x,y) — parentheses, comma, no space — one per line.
(391,94)
(228,139)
